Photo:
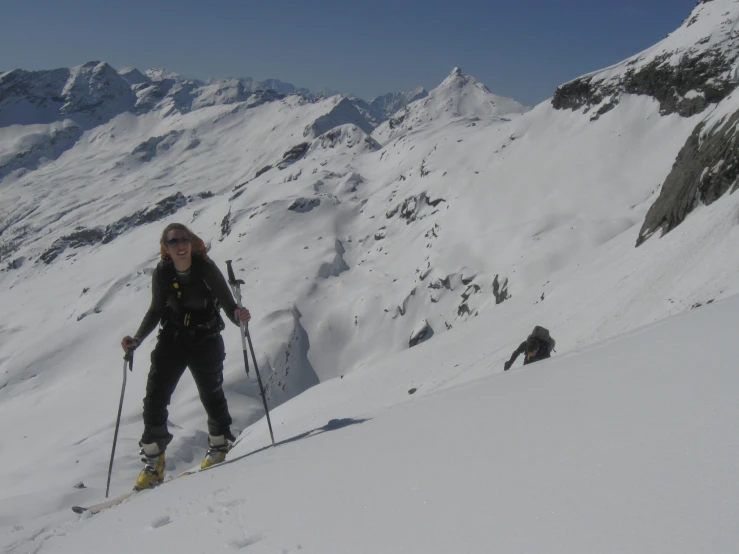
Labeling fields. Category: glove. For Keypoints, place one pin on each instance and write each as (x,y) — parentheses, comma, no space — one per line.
(130,344)
(507,365)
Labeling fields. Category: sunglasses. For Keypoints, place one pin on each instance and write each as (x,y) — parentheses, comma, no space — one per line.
(177,240)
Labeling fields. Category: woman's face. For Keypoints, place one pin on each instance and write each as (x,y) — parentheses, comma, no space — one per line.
(178,246)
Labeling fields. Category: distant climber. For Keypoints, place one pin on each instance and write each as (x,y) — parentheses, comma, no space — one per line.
(538,346)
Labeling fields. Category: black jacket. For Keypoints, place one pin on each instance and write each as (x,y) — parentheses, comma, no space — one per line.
(541,354)
(193,297)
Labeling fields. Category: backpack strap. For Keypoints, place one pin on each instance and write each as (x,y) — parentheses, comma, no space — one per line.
(170,286)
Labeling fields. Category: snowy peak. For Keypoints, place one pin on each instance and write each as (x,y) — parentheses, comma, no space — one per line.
(343,112)
(395,101)
(98,90)
(694,66)
(220,92)
(458,79)
(458,96)
(133,76)
(89,94)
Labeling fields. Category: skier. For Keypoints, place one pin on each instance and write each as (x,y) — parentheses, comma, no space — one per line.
(187,292)
(538,346)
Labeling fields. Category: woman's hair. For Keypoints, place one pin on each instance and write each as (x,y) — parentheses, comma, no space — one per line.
(197,244)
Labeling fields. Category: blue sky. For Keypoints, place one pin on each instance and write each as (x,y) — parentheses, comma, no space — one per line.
(519,48)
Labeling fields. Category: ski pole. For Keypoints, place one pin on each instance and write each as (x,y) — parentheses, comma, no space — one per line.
(127,359)
(235,288)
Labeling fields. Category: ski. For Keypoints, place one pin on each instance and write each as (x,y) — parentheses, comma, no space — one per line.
(97,508)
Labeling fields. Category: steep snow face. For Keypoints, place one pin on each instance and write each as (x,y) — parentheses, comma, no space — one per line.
(458,96)
(133,76)
(343,112)
(693,67)
(97,91)
(393,102)
(89,94)
(220,92)
(706,168)
(383,107)
(49,111)
(31,97)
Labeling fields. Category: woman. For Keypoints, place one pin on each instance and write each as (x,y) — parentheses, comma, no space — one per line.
(187,292)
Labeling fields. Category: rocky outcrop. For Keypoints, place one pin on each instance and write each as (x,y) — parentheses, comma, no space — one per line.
(150,148)
(692,68)
(421,333)
(706,168)
(88,237)
(292,155)
(686,88)
(410,209)
(303,205)
(346,135)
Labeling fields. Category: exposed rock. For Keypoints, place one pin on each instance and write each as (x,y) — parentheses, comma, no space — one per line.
(349,136)
(421,333)
(685,72)
(469,291)
(78,239)
(500,291)
(226,225)
(89,237)
(163,208)
(412,206)
(705,169)
(16,264)
(292,155)
(265,169)
(147,150)
(260,97)
(302,205)
(441,283)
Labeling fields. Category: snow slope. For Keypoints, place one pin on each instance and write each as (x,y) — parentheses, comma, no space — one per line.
(628,445)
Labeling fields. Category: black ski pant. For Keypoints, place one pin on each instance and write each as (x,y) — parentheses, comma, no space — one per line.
(177,349)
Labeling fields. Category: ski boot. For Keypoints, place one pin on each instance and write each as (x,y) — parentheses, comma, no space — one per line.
(153,472)
(218,447)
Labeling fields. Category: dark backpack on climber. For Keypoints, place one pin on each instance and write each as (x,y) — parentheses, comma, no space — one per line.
(539,345)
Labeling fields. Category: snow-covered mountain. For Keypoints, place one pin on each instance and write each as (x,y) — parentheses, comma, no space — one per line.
(390,271)
(694,67)
(48,111)
(459,95)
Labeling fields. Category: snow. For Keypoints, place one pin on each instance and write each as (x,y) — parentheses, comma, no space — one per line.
(710,27)
(625,440)
(624,446)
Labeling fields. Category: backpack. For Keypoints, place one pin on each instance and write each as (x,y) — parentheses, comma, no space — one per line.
(168,284)
(542,335)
